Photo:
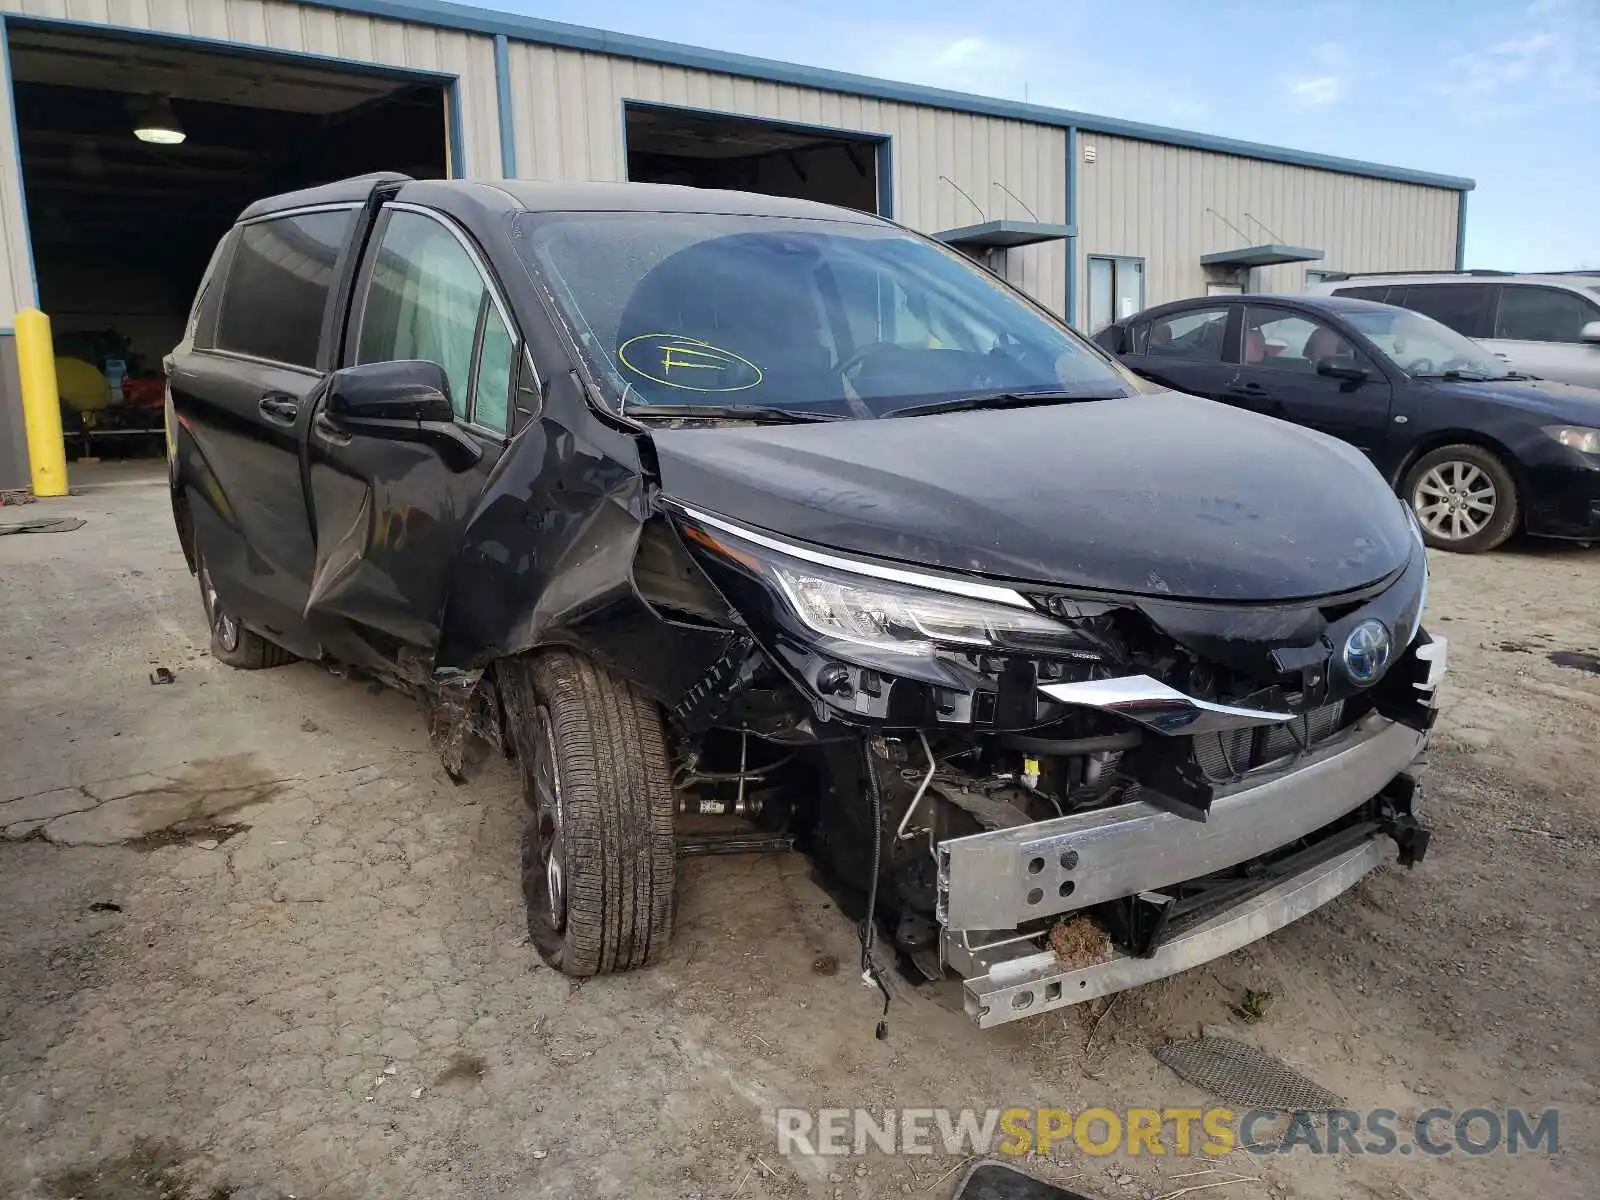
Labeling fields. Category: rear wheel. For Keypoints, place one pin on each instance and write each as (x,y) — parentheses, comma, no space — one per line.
(597,854)
(1464,497)
(231,642)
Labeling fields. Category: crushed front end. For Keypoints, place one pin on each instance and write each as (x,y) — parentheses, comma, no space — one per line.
(1052,793)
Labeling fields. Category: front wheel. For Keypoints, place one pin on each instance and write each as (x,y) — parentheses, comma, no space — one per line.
(231,642)
(597,854)
(1464,497)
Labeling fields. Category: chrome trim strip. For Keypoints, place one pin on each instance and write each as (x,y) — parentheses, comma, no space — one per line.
(936,583)
(303,210)
(1021,981)
(1159,707)
(985,880)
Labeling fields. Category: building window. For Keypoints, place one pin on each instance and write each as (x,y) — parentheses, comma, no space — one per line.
(1116,290)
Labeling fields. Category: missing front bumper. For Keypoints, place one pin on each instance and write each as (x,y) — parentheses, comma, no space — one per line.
(1004,879)
(1009,979)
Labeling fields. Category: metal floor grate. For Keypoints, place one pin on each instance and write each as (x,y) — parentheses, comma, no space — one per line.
(1243,1074)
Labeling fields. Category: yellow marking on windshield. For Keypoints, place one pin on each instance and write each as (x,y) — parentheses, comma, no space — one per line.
(733,372)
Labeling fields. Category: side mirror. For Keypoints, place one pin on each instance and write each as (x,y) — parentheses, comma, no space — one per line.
(1590,333)
(405,401)
(1336,368)
(409,390)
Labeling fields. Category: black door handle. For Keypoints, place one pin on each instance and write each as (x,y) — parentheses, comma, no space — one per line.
(1246,389)
(279,408)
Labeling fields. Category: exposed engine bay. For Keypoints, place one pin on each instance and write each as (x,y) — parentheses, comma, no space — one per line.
(888,729)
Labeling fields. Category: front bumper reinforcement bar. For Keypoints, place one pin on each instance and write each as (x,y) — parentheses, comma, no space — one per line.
(1004,878)
(1009,979)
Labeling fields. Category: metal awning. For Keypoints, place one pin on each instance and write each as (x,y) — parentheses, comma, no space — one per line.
(1005,235)
(1269,255)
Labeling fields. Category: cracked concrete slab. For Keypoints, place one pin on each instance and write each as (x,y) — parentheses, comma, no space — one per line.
(45,805)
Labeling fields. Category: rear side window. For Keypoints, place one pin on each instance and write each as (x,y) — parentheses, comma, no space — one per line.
(277,288)
(1379,293)
(1195,334)
(1463,307)
(1541,314)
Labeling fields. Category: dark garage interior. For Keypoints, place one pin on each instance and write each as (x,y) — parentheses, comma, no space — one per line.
(122,227)
(668,145)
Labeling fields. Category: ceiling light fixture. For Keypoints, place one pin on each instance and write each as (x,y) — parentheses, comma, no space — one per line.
(154,121)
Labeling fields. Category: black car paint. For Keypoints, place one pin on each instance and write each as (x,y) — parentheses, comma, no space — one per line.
(378,554)
(1395,418)
(1032,494)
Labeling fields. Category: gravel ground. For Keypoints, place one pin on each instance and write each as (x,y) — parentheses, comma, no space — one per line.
(252,937)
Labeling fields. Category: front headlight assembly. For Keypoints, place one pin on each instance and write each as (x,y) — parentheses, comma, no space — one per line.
(1575,437)
(885,608)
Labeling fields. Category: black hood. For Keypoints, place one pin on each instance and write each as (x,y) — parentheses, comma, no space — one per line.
(1566,402)
(1161,495)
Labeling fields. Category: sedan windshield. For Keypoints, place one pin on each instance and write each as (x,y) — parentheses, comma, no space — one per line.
(814,318)
(1421,346)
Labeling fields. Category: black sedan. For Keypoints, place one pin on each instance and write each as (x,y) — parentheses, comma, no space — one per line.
(1479,450)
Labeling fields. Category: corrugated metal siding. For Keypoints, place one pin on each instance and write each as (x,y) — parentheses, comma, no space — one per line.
(16,280)
(1149,201)
(569,125)
(272,25)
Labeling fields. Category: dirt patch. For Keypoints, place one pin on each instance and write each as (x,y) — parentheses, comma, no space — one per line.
(463,1070)
(150,1171)
(187,833)
(151,810)
(1079,942)
(1577,660)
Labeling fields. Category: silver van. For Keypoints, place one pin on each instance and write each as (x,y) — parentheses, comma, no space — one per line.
(1544,325)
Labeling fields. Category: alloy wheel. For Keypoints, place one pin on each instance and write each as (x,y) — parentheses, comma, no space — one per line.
(223,625)
(1455,500)
(547,819)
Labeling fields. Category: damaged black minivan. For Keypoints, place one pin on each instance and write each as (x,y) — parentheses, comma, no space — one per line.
(745,523)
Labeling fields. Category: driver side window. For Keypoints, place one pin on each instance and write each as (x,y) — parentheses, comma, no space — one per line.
(427,299)
(1283,341)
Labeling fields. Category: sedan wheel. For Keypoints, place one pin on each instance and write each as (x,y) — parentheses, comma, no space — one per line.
(1464,497)
(1455,501)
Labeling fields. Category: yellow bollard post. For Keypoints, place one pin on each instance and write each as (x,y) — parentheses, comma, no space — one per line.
(41,403)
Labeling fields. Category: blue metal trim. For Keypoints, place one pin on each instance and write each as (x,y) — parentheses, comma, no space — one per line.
(508,127)
(458,147)
(886,178)
(1266,255)
(16,140)
(1005,235)
(1073,152)
(470,19)
(1461,231)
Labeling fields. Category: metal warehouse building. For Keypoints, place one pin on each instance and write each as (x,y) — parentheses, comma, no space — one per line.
(107,232)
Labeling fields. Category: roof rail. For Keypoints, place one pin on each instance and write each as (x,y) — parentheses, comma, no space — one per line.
(1436,271)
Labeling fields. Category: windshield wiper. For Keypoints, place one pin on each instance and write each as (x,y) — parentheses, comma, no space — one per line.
(757,414)
(1004,400)
(1459,376)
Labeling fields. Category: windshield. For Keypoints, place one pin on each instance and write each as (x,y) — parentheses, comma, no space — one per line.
(819,318)
(1419,345)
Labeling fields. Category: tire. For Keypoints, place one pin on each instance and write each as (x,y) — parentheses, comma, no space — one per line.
(1480,514)
(231,643)
(594,773)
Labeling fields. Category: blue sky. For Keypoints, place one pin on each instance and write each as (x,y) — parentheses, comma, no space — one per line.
(1504,91)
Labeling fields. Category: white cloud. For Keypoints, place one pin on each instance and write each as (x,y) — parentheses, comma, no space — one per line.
(1318,91)
(1328,81)
(1549,57)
